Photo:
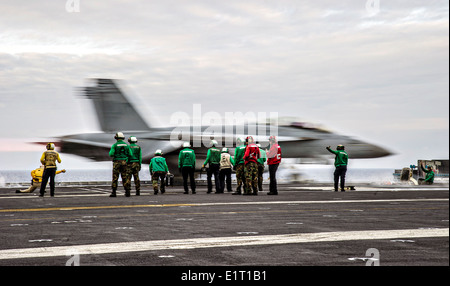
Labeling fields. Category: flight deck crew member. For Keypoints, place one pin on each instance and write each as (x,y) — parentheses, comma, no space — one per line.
(48,159)
(239,164)
(186,164)
(273,161)
(251,157)
(213,159)
(226,163)
(36,180)
(121,153)
(261,162)
(158,169)
(429,178)
(340,162)
(134,163)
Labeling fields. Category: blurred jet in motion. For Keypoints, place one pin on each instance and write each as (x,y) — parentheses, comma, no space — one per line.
(115,113)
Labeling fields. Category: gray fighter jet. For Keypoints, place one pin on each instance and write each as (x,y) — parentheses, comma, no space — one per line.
(115,113)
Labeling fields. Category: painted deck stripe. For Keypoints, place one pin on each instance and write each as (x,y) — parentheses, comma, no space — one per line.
(217,204)
(194,243)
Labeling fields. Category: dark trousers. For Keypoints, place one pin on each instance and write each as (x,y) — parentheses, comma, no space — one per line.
(225,174)
(213,170)
(49,173)
(273,178)
(188,172)
(260,177)
(339,173)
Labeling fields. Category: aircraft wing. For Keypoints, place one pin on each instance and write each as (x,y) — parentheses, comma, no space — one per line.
(292,138)
(99,151)
(92,150)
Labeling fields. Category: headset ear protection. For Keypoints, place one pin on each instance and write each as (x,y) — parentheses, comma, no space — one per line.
(119,135)
(50,146)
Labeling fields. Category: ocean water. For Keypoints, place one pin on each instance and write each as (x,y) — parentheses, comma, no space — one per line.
(324,174)
(291,173)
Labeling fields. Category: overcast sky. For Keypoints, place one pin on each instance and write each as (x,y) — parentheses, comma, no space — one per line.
(376,70)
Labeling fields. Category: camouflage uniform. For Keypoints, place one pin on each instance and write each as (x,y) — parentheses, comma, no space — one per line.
(158,169)
(134,165)
(120,152)
(239,167)
(134,169)
(251,156)
(159,175)
(261,162)
(251,178)
(240,177)
(120,167)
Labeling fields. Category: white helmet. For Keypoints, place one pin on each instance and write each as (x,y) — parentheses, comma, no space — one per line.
(158,152)
(119,135)
(186,145)
(214,143)
(132,139)
(224,150)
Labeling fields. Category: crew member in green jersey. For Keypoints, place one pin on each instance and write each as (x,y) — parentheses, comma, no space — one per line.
(239,164)
(213,159)
(120,152)
(261,161)
(134,163)
(429,178)
(158,169)
(186,164)
(340,162)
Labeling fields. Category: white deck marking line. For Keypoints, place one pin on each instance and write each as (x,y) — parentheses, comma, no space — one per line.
(194,243)
(369,189)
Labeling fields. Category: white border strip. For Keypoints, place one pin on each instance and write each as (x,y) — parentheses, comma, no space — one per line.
(194,243)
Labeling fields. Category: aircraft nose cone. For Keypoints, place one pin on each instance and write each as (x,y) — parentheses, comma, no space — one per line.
(366,150)
(381,152)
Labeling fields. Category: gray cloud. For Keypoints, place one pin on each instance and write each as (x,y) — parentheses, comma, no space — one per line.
(382,75)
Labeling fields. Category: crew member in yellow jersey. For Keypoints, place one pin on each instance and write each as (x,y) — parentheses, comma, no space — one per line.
(49,159)
(36,180)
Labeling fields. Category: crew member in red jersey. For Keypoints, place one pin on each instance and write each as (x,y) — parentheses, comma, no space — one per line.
(273,160)
(251,157)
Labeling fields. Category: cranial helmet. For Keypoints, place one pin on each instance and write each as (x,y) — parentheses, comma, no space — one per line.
(340,147)
(158,152)
(214,143)
(186,145)
(50,146)
(119,135)
(132,139)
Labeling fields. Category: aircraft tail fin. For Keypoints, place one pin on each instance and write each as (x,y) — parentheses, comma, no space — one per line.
(114,111)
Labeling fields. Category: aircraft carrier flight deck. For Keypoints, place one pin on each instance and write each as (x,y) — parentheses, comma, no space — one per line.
(305,225)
